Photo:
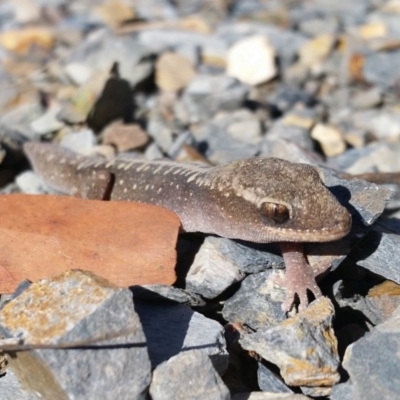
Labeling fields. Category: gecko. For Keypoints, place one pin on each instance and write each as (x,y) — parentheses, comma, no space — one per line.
(258,199)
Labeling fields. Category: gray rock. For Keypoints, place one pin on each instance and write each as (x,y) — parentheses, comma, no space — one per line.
(173,328)
(212,272)
(222,148)
(100,50)
(161,133)
(375,309)
(9,89)
(71,115)
(268,381)
(280,130)
(383,124)
(247,259)
(48,122)
(191,52)
(183,138)
(377,156)
(366,98)
(159,41)
(269,396)
(318,26)
(288,96)
(221,262)
(207,94)
(348,13)
(30,183)
(79,73)
(379,252)
(256,304)
(153,152)
(230,136)
(286,42)
(155,9)
(290,151)
(12,389)
(16,124)
(189,374)
(80,142)
(304,347)
(243,125)
(382,69)
(79,309)
(342,391)
(377,353)
(165,293)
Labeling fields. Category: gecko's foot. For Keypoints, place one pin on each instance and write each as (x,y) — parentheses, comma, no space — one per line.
(299,278)
(297,292)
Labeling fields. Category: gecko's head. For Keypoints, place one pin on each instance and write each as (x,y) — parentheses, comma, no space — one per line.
(271,200)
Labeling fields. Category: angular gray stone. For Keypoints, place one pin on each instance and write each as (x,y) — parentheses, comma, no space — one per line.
(48,122)
(342,391)
(155,9)
(280,130)
(12,389)
(15,125)
(256,304)
(367,98)
(288,96)
(269,396)
(349,13)
(222,148)
(376,309)
(207,94)
(286,42)
(78,309)
(230,136)
(378,354)
(379,252)
(220,262)
(268,381)
(173,328)
(80,142)
(188,375)
(153,152)
(384,124)
(382,68)
(159,41)
(247,259)
(304,347)
(167,293)
(212,272)
(101,49)
(318,26)
(376,156)
(30,183)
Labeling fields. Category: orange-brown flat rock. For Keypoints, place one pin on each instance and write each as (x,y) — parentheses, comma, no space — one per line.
(126,243)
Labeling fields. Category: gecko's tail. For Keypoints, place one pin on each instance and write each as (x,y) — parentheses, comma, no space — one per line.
(56,165)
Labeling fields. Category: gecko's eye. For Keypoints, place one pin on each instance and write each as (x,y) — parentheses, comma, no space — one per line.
(275,212)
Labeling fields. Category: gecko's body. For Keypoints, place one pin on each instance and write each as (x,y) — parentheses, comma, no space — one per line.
(257,199)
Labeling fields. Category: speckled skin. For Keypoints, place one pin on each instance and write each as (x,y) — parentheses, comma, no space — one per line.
(227,200)
(223,200)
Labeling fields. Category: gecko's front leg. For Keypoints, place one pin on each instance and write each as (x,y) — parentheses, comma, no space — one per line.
(299,277)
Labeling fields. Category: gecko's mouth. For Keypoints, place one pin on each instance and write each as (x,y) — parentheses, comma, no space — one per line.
(324,234)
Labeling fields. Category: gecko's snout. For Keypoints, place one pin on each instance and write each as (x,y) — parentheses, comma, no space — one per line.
(343,221)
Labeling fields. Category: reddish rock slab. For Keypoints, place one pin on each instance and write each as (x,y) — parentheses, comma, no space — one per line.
(127,243)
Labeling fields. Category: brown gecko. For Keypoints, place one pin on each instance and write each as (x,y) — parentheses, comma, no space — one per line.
(257,199)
